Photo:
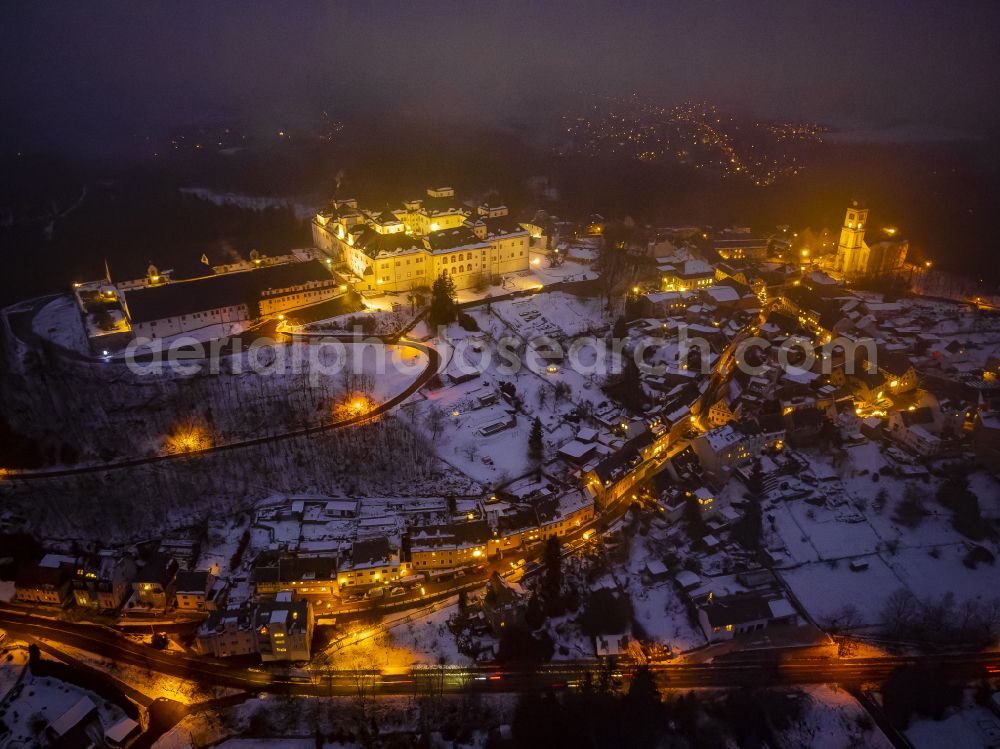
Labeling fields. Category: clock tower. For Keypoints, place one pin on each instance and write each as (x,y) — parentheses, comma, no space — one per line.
(852,252)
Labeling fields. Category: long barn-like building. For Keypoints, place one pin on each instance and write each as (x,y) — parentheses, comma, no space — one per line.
(159,310)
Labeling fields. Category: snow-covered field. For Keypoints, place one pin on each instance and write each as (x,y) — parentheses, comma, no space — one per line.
(972,727)
(12,667)
(833,719)
(821,541)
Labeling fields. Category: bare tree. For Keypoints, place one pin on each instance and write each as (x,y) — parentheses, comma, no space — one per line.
(900,612)
(435,420)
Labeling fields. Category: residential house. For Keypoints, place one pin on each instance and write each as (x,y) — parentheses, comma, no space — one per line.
(898,372)
(227,632)
(373,561)
(722,448)
(803,426)
(686,275)
(435,547)
(47,582)
(306,576)
(193,589)
(284,629)
(103,581)
(503,603)
(722,618)
(153,586)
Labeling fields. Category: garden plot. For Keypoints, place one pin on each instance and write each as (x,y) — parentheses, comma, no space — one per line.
(556,314)
(932,573)
(825,588)
(813,533)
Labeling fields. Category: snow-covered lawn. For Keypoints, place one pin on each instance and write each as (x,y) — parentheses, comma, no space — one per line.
(555,314)
(932,577)
(664,617)
(969,727)
(831,721)
(538,275)
(824,590)
(927,559)
(12,665)
(813,533)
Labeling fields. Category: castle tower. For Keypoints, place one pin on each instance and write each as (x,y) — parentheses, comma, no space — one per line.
(852,252)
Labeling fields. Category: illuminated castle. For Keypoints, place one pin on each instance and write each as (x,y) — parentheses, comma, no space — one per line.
(856,259)
(410,246)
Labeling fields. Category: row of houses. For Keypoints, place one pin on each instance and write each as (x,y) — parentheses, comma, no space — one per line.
(368,561)
(111,581)
(277,630)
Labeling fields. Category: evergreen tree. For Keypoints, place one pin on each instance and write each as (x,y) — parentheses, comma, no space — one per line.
(443,309)
(552,581)
(536,448)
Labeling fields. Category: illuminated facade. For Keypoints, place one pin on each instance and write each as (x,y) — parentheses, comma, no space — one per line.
(691,274)
(855,258)
(284,629)
(409,247)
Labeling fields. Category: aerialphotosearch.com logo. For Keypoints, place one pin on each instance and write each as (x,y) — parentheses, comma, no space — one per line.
(319,355)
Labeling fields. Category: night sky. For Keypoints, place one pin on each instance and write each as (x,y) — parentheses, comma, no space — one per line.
(86,76)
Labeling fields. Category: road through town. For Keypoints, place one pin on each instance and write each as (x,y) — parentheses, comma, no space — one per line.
(775,668)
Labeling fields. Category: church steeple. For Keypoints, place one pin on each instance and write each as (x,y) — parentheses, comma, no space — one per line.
(851,251)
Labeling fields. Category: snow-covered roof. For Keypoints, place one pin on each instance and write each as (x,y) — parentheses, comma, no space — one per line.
(69,719)
(722,294)
(780,608)
(687,579)
(656,567)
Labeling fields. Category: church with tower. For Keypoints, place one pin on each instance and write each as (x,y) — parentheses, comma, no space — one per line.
(856,259)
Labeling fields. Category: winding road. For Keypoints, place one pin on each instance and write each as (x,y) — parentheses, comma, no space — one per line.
(433,365)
